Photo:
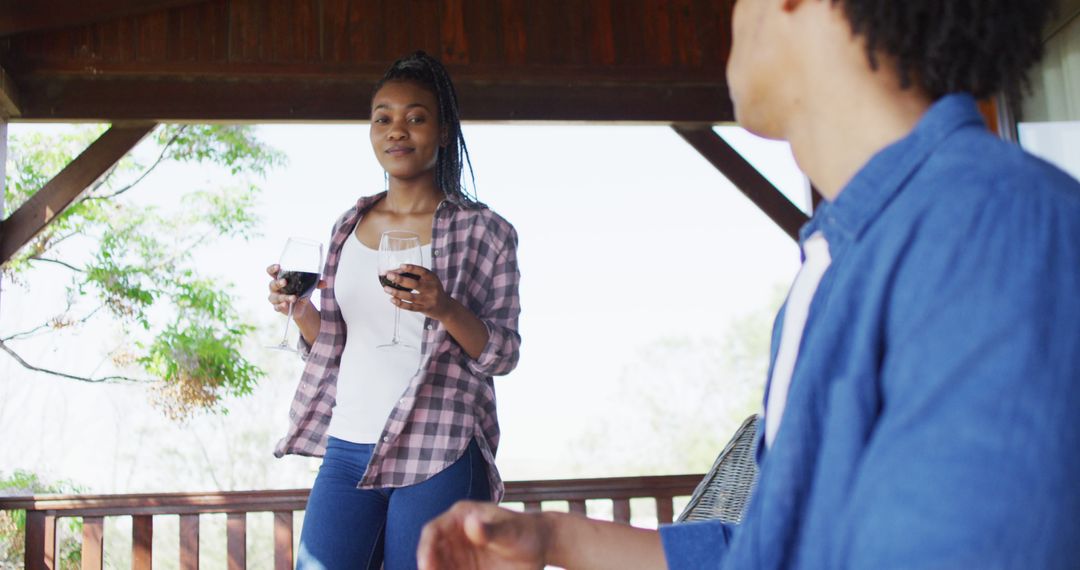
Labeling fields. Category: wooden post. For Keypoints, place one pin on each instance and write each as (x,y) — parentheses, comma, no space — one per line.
(283,540)
(236,540)
(40,553)
(142,542)
(621,510)
(189,542)
(3,186)
(665,510)
(93,543)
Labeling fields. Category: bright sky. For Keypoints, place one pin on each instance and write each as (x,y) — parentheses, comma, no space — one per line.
(627,237)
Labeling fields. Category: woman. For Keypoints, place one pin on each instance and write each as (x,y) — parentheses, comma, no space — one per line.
(404,434)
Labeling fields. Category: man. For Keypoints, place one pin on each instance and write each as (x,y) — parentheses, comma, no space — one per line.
(926,367)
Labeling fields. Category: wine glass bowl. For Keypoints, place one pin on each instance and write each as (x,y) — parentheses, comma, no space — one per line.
(299,265)
(396,248)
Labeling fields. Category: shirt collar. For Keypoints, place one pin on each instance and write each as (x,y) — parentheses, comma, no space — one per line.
(884,175)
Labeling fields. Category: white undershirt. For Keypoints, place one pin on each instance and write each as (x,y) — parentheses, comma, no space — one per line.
(816,250)
(370,380)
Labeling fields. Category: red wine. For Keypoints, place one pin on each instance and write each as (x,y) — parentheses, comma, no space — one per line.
(387,283)
(299,283)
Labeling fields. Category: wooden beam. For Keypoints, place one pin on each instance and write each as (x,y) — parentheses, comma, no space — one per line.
(9,97)
(745,177)
(329,97)
(59,193)
(19,16)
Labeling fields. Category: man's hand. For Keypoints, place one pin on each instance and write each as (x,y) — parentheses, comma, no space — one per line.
(471,536)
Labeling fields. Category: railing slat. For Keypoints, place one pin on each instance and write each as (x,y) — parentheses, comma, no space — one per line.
(622,510)
(40,553)
(237,541)
(578,507)
(93,542)
(665,510)
(532,506)
(283,540)
(142,542)
(189,542)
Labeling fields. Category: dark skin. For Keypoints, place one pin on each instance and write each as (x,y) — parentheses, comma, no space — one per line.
(406,137)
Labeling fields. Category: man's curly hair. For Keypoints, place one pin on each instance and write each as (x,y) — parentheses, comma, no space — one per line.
(980,47)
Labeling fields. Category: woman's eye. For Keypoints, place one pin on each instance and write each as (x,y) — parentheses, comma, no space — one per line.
(416,120)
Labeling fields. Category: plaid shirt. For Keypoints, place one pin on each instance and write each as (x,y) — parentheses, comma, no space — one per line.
(451,399)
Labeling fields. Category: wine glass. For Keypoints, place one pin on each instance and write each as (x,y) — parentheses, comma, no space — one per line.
(299,265)
(395,248)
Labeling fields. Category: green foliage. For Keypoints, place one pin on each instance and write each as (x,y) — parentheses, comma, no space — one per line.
(139,264)
(13,523)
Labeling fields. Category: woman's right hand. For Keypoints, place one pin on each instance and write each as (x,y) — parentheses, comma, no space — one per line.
(281,301)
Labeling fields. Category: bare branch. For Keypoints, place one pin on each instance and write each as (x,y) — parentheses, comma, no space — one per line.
(29,366)
(27,334)
(48,324)
(160,158)
(58,262)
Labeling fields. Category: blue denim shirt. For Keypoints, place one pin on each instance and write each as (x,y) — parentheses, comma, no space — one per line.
(933,419)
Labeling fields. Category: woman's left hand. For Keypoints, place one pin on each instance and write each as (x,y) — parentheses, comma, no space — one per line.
(425,295)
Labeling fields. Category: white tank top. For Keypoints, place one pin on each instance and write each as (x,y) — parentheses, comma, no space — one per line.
(370,380)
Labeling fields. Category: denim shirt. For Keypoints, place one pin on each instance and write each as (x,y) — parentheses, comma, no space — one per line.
(932,419)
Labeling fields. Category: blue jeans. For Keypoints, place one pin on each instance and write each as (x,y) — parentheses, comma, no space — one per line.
(346,527)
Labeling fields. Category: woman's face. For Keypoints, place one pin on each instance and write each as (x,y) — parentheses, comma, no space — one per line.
(405,132)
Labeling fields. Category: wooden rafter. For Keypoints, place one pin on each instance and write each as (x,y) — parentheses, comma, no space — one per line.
(744,176)
(342,98)
(60,192)
(19,16)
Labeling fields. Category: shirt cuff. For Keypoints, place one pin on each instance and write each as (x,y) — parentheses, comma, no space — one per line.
(303,348)
(492,361)
(695,545)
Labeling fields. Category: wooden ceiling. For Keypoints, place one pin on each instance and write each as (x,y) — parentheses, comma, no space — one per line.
(316,60)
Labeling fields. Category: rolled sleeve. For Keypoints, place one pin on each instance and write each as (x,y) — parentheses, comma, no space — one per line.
(500,315)
(695,545)
(303,348)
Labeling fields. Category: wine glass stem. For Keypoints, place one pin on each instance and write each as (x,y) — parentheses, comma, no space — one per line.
(287,323)
(397,317)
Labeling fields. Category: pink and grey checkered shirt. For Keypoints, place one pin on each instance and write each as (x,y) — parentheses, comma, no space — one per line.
(451,399)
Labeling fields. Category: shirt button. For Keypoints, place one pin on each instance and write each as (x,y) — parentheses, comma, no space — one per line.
(385,438)
(431,326)
(434,253)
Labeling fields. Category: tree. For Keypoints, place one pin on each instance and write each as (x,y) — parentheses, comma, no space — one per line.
(136,265)
(13,523)
(682,399)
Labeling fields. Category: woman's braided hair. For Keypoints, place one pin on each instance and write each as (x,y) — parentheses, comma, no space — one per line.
(427,72)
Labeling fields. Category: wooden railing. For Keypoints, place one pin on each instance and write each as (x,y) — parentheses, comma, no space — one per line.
(44,511)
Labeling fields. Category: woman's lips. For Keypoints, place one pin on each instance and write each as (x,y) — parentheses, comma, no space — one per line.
(398,151)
